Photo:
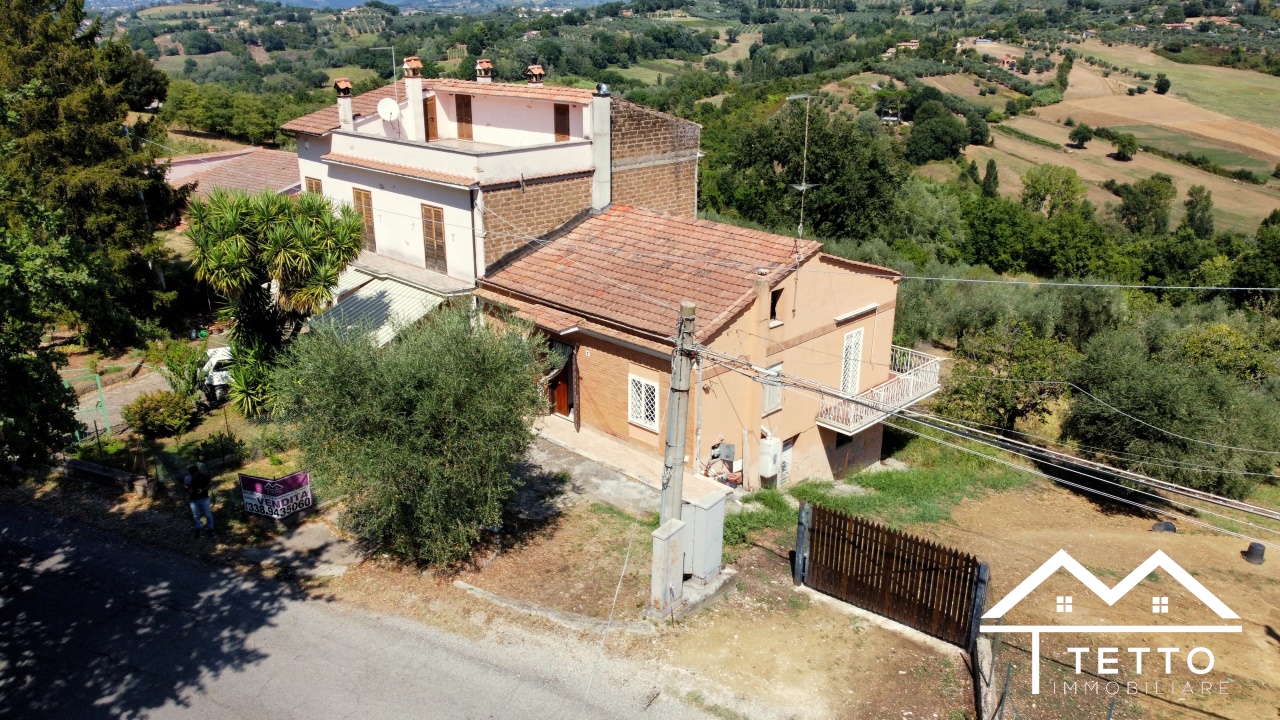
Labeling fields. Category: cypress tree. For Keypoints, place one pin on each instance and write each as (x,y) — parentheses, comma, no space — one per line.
(67,144)
(991,181)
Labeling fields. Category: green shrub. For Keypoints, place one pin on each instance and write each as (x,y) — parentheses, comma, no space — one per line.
(159,414)
(774,512)
(1041,98)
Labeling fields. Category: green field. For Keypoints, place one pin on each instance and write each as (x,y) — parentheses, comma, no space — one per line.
(175,63)
(649,70)
(1242,94)
(351,72)
(1175,142)
(160,11)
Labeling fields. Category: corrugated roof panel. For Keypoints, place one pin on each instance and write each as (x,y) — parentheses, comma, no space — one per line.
(382,307)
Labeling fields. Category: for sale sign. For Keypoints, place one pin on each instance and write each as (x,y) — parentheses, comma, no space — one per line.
(277,498)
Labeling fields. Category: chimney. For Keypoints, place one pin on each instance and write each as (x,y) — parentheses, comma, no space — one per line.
(346,121)
(484,70)
(414,123)
(601,148)
(534,75)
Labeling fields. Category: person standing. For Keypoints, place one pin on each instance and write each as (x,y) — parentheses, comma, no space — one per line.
(198,485)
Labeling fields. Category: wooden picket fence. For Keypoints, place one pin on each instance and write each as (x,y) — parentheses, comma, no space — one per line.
(932,588)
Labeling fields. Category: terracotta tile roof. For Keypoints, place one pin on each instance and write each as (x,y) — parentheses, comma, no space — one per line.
(536,92)
(254,171)
(544,317)
(863,267)
(633,267)
(415,172)
(322,121)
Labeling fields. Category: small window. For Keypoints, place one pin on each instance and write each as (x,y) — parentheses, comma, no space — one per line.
(775,299)
(773,391)
(642,403)
(314,186)
(562,123)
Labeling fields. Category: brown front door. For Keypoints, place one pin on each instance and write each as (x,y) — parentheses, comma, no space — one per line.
(433,238)
(363,202)
(562,123)
(560,394)
(429,111)
(463,106)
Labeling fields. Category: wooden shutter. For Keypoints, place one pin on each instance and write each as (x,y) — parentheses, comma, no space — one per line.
(463,105)
(433,238)
(562,123)
(363,201)
(429,112)
(314,186)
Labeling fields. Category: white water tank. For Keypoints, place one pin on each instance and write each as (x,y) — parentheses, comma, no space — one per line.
(770,457)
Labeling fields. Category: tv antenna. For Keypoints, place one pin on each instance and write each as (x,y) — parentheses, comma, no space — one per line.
(804,166)
(395,86)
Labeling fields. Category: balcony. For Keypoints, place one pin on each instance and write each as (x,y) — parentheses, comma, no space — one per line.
(464,161)
(914,378)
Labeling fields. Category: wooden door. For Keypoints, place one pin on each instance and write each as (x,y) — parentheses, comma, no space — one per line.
(463,107)
(363,202)
(562,123)
(433,238)
(560,394)
(429,112)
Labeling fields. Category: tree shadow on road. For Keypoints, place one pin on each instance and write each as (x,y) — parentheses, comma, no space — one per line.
(94,627)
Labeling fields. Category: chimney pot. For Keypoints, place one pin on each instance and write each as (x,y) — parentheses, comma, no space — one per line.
(534,75)
(412,66)
(484,70)
(346,119)
(343,86)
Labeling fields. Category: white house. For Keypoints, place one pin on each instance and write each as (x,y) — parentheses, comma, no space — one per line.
(451,176)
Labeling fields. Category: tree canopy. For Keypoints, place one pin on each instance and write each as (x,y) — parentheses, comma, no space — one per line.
(421,438)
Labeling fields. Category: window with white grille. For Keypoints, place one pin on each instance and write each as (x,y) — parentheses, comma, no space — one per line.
(642,403)
(851,365)
(773,391)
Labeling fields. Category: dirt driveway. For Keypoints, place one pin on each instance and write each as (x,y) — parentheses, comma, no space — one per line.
(1018,531)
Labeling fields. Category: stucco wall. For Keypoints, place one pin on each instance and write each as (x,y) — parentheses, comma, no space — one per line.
(510,121)
(397,209)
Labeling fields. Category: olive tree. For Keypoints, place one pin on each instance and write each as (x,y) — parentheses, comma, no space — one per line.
(420,437)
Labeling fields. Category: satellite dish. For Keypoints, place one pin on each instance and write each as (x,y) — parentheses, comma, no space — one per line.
(389,109)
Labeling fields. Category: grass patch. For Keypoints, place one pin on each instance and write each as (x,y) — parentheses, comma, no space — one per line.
(1176,143)
(769,511)
(1026,137)
(351,72)
(939,479)
(649,521)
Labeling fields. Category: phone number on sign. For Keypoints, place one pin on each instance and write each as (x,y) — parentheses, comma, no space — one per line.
(278,507)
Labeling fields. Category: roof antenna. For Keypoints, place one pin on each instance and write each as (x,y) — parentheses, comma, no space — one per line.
(802,187)
(804,168)
(395,87)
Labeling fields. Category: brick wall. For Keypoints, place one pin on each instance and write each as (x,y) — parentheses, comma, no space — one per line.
(655,162)
(535,209)
(639,131)
(670,188)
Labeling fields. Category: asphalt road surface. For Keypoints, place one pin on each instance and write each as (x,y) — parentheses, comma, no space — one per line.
(92,626)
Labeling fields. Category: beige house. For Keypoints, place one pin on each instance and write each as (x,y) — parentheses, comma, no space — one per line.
(607,290)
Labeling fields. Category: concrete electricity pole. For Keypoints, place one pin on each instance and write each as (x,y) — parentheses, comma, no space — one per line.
(667,577)
(677,416)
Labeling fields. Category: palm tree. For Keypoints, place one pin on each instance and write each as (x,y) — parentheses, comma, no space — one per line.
(275,260)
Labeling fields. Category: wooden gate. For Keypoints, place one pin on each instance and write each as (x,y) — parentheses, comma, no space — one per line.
(932,588)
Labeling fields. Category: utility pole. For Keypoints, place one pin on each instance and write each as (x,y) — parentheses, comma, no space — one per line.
(666,587)
(677,415)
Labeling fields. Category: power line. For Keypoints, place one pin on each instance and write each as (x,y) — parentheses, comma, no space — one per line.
(803,385)
(1095,491)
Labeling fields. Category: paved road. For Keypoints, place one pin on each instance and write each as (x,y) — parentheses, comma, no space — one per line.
(94,627)
(116,397)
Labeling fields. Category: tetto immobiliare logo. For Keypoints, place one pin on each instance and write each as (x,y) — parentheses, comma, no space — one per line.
(1199,660)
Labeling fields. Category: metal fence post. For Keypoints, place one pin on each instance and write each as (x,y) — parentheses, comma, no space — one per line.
(803,521)
(1005,693)
(975,621)
(1111,709)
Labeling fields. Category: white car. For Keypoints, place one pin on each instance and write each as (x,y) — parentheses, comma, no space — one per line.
(217,375)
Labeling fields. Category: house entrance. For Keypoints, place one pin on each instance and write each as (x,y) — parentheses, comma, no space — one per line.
(560,391)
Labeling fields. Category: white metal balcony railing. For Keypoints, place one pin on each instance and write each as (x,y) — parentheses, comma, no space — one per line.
(914,378)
